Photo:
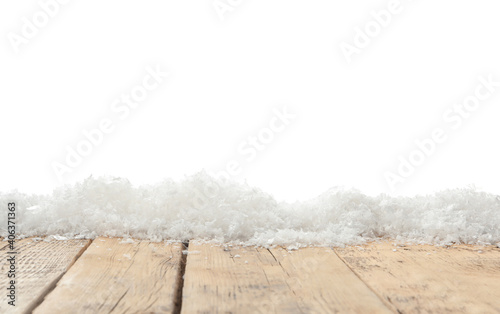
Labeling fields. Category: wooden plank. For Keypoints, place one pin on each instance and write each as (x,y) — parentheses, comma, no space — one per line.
(39,265)
(250,280)
(425,279)
(113,276)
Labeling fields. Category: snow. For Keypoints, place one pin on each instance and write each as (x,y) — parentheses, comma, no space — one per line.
(201,207)
(127,241)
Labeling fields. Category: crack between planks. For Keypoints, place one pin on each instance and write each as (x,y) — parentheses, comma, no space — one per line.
(36,303)
(272,255)
(279,263)
(387,303)
(180,280)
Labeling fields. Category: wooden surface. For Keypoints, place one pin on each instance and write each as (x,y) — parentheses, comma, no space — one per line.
(256,280)
(139,277)
(39,265)
(428,279)
(110,276)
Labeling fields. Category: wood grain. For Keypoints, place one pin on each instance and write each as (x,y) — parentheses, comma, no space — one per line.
(39,265)
(256,280)
(429,279)
(115,277)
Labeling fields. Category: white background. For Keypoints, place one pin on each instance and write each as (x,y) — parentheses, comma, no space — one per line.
(352,120)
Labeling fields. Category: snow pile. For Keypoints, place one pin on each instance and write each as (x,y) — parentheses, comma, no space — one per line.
(201,207)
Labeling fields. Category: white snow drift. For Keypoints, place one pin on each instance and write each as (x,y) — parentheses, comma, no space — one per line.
(246,215)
